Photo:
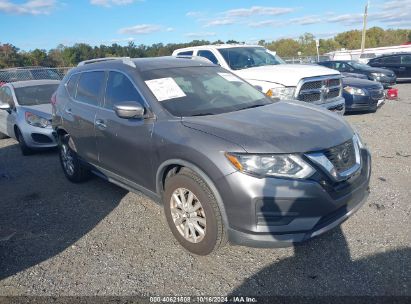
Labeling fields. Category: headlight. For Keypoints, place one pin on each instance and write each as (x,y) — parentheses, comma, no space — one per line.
(377,74)
(281,165)
(281,93)
(354,91)
(359,141)
(37,121)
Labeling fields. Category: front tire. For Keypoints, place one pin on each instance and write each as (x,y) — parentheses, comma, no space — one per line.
(73,168)
(193,214)
(25,150)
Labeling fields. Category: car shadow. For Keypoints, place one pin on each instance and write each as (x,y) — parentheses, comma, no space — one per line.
(324,266)
(41,213)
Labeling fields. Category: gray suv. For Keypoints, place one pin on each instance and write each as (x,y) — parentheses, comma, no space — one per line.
(225,161)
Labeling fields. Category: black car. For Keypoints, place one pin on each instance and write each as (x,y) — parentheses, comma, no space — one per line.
(399,63)
(362,94)
(386,77)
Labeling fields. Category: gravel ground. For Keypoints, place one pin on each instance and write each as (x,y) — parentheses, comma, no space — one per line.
(58,238)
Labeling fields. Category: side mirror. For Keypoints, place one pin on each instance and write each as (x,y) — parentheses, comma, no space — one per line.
(129,110)
(5,107)
(260,88)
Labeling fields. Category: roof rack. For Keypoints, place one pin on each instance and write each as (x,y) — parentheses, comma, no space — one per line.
(195,58)
(125,60)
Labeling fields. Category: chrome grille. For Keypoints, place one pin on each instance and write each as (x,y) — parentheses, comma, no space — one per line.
(377,94)
(319,89)
(333,93)
(342,156)
(310,97)
(334,82)
(311,85)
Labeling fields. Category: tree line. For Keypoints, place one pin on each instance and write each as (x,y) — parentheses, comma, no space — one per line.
(12,56)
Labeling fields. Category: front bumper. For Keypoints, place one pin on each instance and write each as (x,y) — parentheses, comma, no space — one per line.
(273,212)
(336,105)
(38,138)
(368,102)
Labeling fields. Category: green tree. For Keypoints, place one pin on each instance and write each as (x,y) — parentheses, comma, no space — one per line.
(285,47)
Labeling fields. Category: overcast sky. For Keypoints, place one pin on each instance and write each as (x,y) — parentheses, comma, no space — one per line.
(47,23)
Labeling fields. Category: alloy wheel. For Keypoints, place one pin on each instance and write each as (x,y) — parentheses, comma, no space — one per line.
(188,215)
(67,159)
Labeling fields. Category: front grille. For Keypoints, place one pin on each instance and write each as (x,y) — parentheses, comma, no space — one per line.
(334,82)
(377,94)
(310,97)
(333,93)
(41,138)
(342,156)
(319,91)
(311,85)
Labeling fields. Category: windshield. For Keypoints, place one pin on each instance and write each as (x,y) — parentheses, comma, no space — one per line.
(197,91)
(358,65)
(247,57)
(35,95)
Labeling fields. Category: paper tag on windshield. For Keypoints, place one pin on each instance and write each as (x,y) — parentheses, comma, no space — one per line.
(230,77)
(165,88)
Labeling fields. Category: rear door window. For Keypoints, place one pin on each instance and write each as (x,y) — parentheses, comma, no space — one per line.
(406,59)
(391,60)
(89,87)
(72,85)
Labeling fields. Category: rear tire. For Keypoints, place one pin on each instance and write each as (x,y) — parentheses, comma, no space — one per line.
(205,233)
(25,150)
(73,168)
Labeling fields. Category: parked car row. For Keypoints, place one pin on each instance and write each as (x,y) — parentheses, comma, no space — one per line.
(227,161)
(25,113)
(30,73)
(384,76)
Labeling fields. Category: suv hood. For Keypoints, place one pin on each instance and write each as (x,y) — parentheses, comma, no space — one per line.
(285,74)
(282,127)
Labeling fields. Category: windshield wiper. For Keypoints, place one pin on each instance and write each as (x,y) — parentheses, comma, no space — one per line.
(254,106)
(202,114)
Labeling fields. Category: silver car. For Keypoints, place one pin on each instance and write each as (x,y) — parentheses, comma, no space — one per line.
(25,113)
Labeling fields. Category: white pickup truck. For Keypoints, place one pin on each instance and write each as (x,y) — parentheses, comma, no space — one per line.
(268,72)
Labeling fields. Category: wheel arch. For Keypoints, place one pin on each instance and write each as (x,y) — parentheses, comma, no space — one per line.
(174,165)
(61,132)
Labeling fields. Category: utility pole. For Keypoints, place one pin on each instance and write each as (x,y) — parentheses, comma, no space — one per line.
(364,28)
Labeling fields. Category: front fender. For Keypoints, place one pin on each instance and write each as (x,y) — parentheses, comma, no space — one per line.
(199,172)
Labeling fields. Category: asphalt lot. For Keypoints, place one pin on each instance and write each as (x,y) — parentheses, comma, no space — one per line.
(58,238)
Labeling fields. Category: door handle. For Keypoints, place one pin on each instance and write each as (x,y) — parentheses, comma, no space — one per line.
(69,112)
(100,124)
